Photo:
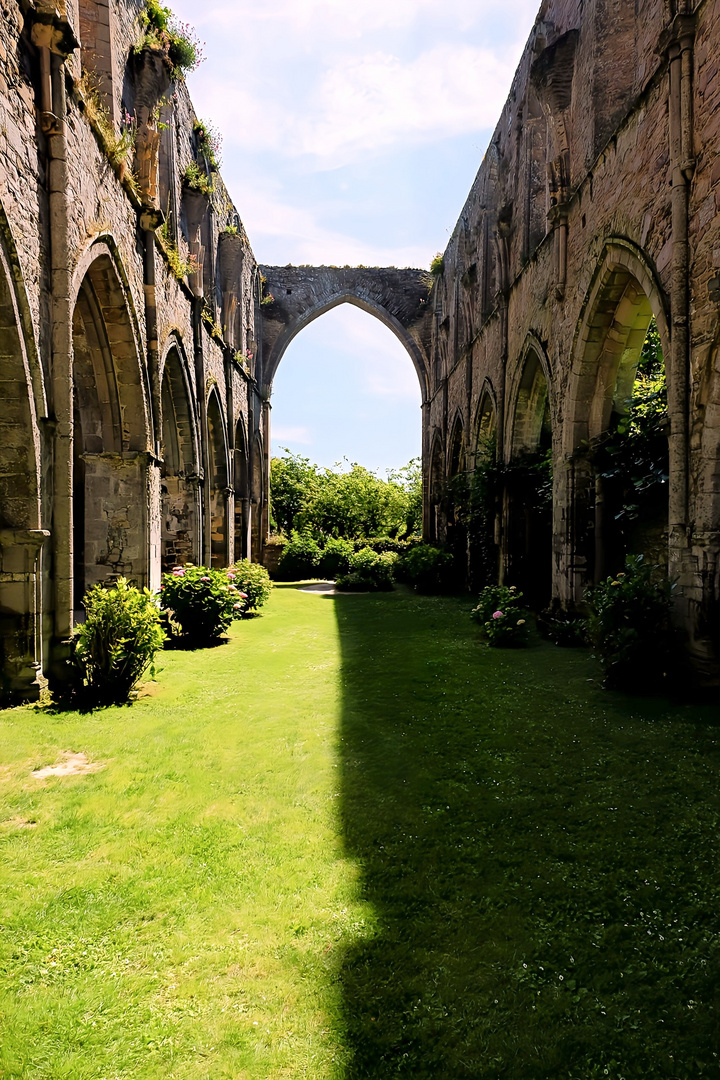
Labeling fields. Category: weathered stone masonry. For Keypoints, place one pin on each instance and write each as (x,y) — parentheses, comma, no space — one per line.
(139,339)
(132,428)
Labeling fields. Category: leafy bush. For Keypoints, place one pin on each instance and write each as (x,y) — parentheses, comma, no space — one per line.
(336,557)
(369,571)
(202,601)
(504,620)
(117,642)
(253,581)
(351,503)
(428,569)
(629,626)
(300,558)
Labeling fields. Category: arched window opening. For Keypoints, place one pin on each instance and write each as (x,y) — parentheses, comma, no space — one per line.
(436,491)
(179,487)
(243,543)
(217,484)
(110,438)
(630,457)
(528,488)
(484,499)
(457,502)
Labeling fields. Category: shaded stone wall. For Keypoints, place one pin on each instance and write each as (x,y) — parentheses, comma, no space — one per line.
(594,210)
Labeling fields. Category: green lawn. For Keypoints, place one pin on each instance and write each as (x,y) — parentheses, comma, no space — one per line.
(356,843)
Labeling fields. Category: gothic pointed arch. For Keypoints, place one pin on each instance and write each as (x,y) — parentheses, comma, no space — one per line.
(21,534)
(217,480)
(180,509)
(531,402)
(241,485)
(111,428)
(486,426)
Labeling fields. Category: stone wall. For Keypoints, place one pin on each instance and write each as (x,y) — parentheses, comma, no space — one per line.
(595,210)
(128,301)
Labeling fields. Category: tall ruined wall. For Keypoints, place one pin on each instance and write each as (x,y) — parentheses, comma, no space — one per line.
(133,433)
(595,209)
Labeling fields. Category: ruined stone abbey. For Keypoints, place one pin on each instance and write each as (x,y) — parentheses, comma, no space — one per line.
(139,338)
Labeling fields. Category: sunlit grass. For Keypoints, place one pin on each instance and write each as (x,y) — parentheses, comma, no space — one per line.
(357,844)
(179,913)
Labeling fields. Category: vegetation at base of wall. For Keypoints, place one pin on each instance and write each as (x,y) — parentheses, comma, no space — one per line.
(437,264)
(175,40)
(179,267)
(196,179)
(369,571)
(116,644)
(208,142)
(427,568)
(353,504)
(253,581)
(202,601)
(502,617)
(629,626)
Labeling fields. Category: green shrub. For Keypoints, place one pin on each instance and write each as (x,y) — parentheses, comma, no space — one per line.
(253,581)
(369,571)
(428,569)
(504,620)
(336,557)
(117,642)
(300,558)
(202,601)
(386,543)
(629,626)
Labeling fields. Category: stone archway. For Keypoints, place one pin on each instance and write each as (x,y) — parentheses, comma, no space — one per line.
(436,489)
(623,299)
(241,484)
(294,296)
(179,488)
(217,483)
(21,534)
(527,502)
(111,437)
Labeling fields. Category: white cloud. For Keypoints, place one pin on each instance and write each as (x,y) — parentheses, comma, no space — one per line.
(299,237)
(282,435)
(372,102)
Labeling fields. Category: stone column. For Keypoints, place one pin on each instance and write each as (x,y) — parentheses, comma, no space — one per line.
(21,612)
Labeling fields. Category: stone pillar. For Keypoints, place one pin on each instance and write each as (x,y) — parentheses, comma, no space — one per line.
(21,612)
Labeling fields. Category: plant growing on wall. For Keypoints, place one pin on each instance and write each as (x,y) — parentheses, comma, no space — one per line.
(437,264)
(196,179)
(176,40)
(179,267)
(118,145)
(208,141)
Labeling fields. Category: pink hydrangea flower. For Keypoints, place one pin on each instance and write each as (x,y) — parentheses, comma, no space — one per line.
(205,578)
(497,614)
(243,595)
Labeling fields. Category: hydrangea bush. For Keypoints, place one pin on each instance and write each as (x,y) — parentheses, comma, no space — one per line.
(202,601)
(117,643)
(629,626)
(502,616)
(253,581)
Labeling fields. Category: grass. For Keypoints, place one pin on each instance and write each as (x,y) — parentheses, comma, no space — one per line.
(356,843)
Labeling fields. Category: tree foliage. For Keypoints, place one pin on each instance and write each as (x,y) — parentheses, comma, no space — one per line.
(351,503)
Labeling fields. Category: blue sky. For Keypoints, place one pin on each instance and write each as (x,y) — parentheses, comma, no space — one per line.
(352,131)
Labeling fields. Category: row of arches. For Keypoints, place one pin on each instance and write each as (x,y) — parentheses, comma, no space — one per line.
(543,468)
(148,482)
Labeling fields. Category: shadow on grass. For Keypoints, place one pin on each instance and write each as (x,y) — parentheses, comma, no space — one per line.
(540,857)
